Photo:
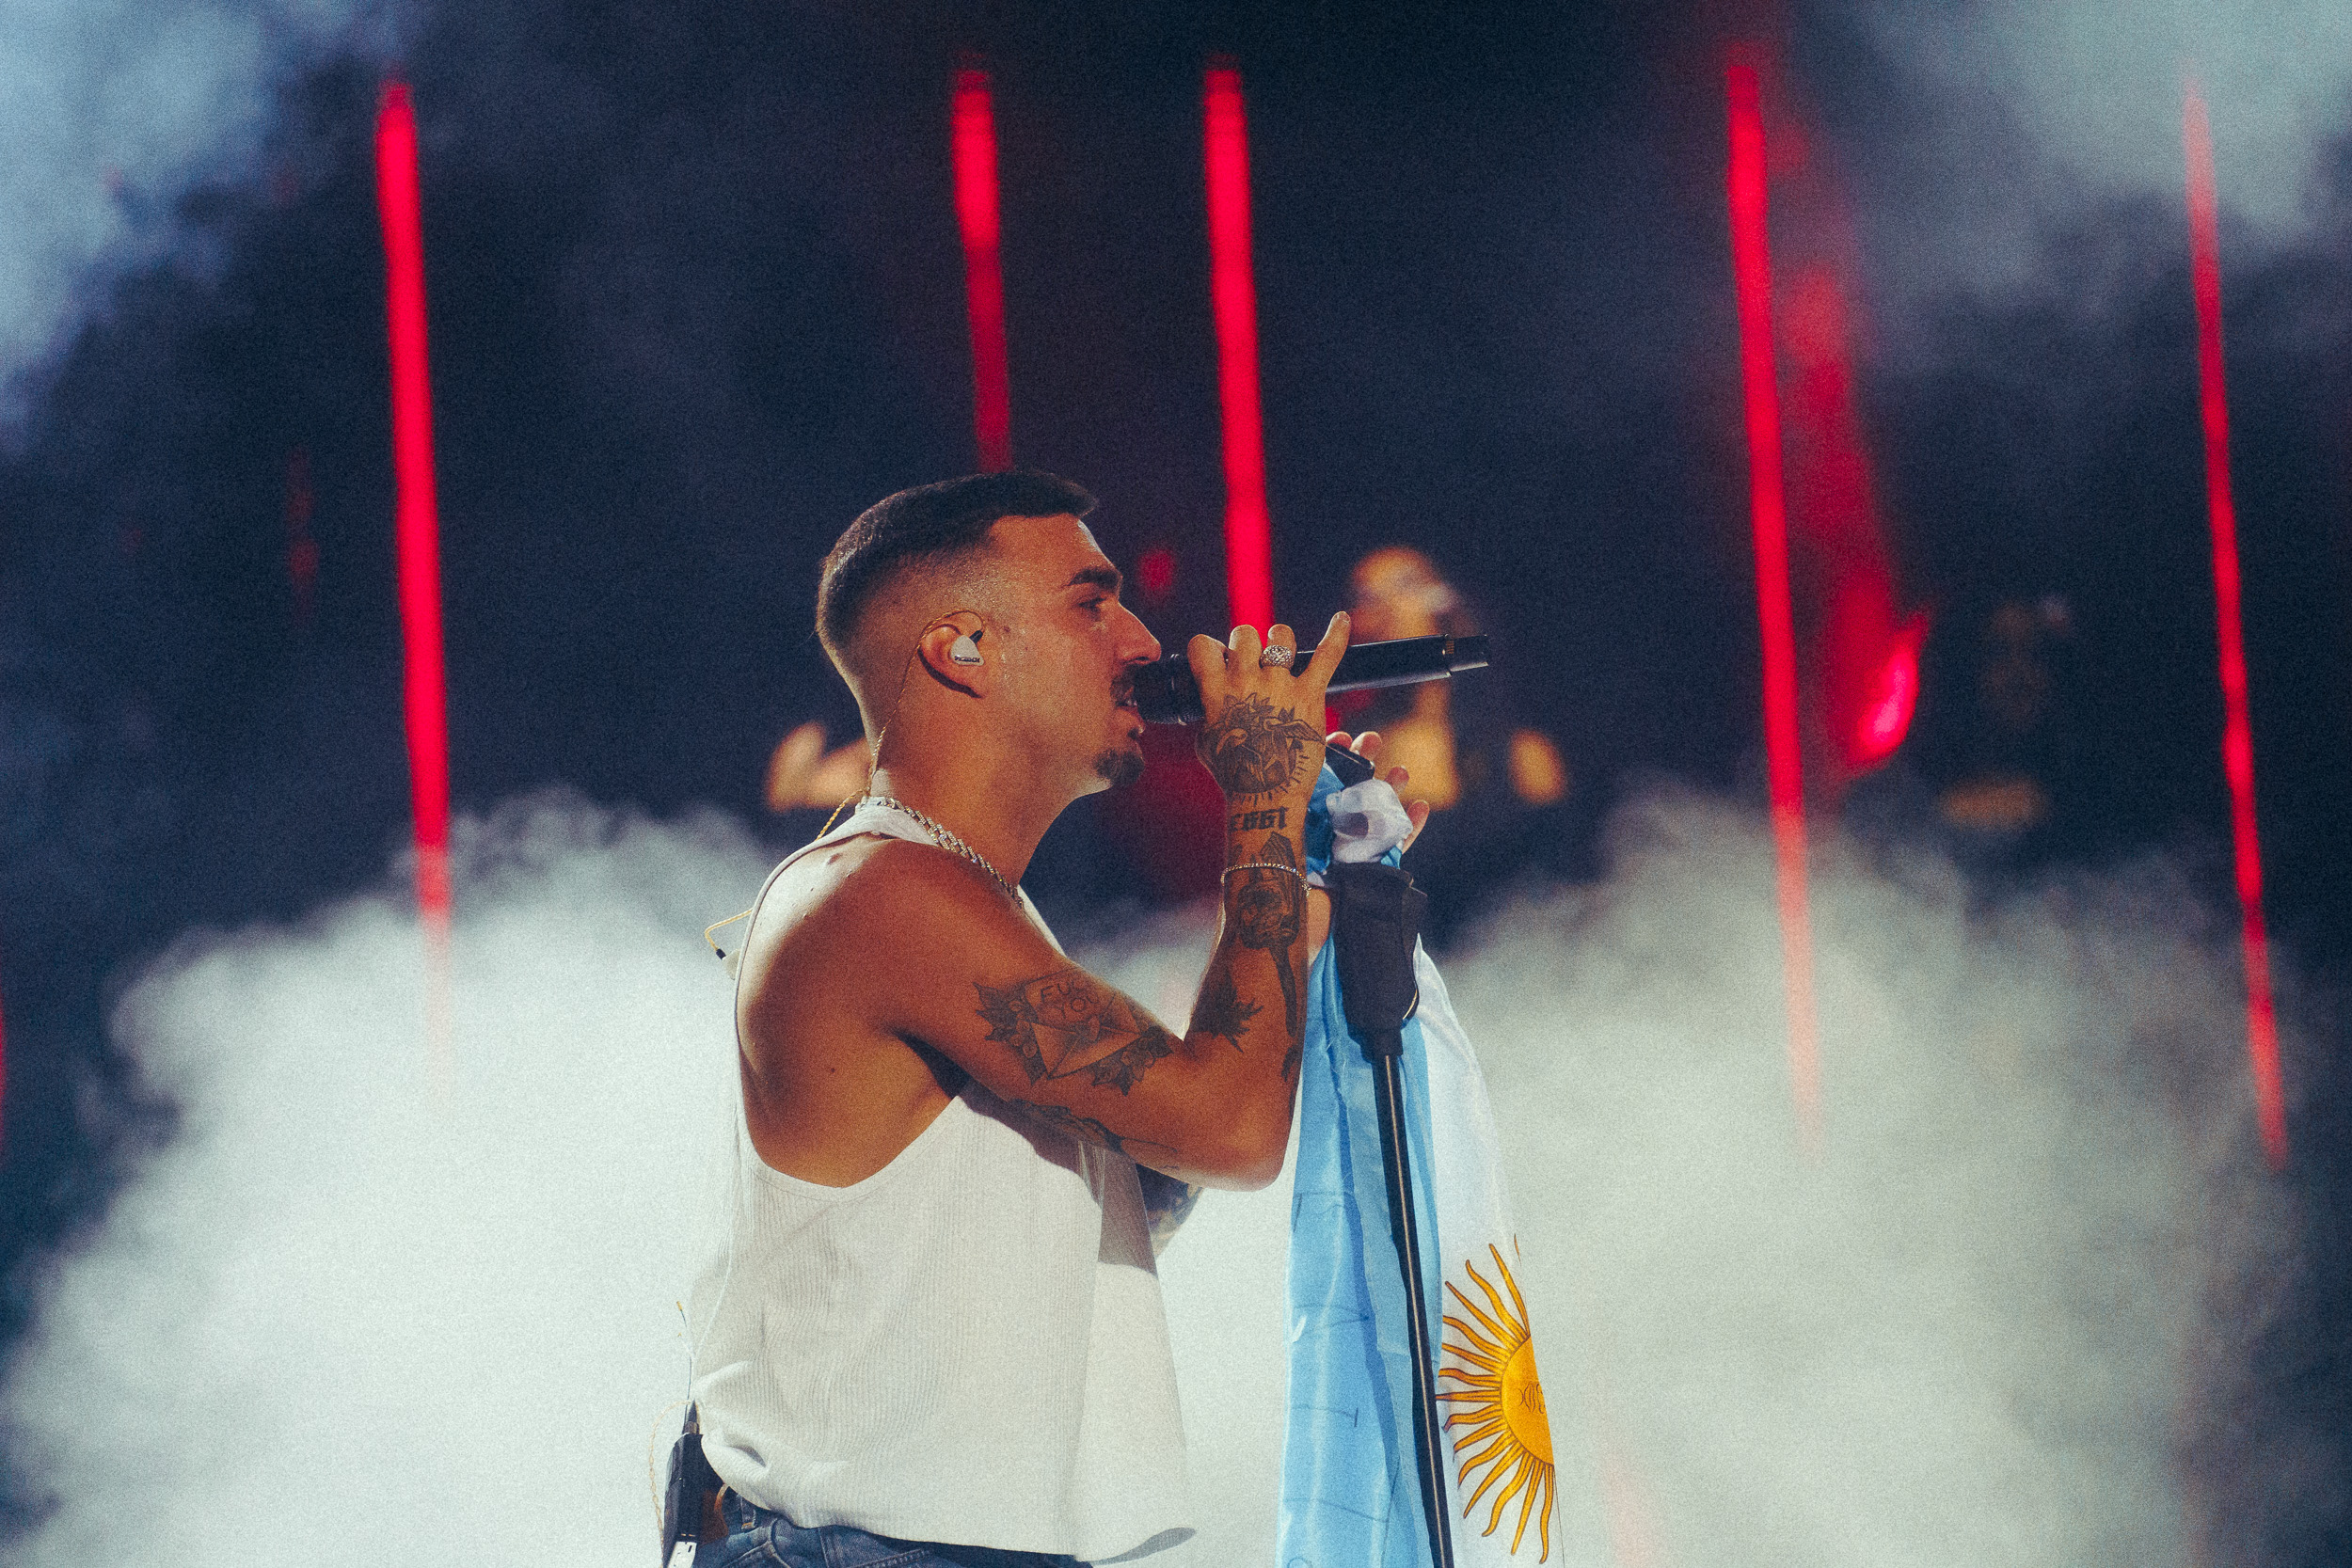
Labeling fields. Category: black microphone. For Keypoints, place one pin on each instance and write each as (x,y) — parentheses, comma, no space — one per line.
(1166,692)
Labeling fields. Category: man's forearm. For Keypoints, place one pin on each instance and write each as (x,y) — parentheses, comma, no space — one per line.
(1265,757)
(1262,957)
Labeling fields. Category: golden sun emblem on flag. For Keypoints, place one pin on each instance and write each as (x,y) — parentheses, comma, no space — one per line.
(1502,1406)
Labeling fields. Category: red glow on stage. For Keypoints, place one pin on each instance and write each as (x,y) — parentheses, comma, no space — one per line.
(412,465)
(1155,573)
(1752,271)
(1870,664)
(2237,741)
(1894,698)
(302,550)
(418,531)
(1862,659)
(1233,297)
(975,146)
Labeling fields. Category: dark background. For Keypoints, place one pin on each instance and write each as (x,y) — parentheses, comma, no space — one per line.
(696,299)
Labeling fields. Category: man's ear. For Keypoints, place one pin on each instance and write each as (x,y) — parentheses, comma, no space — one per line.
(956,655)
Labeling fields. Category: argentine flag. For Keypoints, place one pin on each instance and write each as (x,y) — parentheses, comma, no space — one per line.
(1351,1492)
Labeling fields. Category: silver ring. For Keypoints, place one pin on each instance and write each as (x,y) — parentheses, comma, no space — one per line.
(1276,656)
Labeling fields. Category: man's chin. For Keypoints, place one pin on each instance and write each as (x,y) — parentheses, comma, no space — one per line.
(1119,767)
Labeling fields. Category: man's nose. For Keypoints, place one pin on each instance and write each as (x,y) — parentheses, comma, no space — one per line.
(1140,646)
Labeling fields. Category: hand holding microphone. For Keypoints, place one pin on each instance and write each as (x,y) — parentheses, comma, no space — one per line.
(1261,745)
(1170,691)
(1167,692)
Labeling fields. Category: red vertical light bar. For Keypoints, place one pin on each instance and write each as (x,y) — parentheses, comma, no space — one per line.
(2238,734)
(417,531)
(1234,298)
(301,549)
(974,137)
(1752,272)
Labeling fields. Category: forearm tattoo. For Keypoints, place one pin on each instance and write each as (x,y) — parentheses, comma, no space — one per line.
(1255,748)
(1221,1010)
(1269,913)
(1057,1024)
(1086,1128)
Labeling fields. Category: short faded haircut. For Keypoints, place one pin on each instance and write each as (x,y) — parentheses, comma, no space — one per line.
(928,524)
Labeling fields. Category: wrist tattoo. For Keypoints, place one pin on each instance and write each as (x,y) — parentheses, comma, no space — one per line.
(1258,821)
(1255,748)
(1270,913)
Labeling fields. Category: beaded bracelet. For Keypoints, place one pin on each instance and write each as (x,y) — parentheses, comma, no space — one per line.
(1264,865)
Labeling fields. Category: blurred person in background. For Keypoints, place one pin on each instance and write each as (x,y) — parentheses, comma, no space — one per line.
(1992,770)
(1490,782)
(1494,786)
(802,775)
(2003,770)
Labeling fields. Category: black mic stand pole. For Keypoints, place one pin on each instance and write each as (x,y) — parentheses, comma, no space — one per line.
(1376,918)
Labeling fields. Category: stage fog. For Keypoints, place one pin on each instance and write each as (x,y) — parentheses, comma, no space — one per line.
(328,1311)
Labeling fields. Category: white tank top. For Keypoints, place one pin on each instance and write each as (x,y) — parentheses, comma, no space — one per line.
(968,1346)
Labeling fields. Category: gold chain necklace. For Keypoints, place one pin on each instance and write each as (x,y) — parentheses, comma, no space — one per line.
(949,842)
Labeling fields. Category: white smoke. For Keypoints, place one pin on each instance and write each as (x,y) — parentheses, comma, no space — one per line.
(2015,123)
(111,112)
(1962,1335)
(326,1311)
(2097,85)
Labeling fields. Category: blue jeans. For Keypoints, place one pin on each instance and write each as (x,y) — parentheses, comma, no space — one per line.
(760,1539)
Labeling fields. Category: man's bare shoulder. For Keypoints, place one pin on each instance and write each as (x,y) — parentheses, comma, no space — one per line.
(878,907)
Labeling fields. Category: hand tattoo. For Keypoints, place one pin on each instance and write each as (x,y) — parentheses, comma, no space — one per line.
(1221,1010)
(1269,912)
(1054,1023)
(1255,748)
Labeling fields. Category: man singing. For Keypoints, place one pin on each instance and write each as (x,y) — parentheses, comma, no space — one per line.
(935,1335)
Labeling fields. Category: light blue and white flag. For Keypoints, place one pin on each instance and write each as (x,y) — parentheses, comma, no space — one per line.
(1351,1493)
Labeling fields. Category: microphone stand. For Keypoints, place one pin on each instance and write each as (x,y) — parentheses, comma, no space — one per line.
(1376,919)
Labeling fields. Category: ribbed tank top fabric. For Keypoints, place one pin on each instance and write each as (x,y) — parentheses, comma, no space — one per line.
(968,1346)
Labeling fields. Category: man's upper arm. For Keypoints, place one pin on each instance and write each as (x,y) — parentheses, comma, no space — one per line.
(951,965)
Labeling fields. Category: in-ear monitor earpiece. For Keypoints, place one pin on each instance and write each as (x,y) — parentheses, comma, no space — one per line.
(963,650)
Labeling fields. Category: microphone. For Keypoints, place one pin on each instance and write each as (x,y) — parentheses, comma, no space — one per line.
(1166,692)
